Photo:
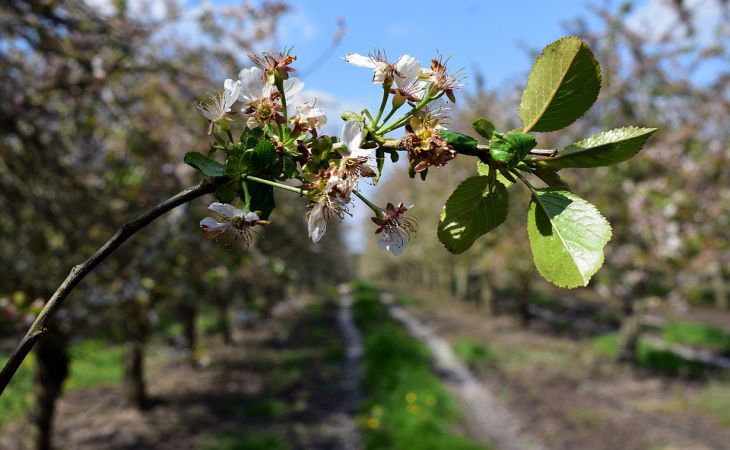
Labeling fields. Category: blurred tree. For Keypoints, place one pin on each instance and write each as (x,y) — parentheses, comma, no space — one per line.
(95,114)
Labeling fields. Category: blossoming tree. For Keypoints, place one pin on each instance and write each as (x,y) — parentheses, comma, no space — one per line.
(263,141)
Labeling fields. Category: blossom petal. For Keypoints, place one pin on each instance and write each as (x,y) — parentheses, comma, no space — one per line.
(232,90)
(253,86)
(211,224)
(225,210)
(407,68)
(292,86)
(359,60)
(317,223)
(352,134)
(396,248)
(251,216)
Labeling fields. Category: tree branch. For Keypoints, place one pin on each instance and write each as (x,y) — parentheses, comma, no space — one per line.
(127,230)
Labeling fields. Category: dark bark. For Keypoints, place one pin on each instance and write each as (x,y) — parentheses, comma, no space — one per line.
(224,323)
(630,331)
(188,317)
(523,304)
(51,371)
(134,380)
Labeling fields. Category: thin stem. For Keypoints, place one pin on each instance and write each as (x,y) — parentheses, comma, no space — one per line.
(402,120)
(283,186)
(79,272)
(280,86)
(378,211)
(390,114)
(386,93)
(247,197)
(523,179)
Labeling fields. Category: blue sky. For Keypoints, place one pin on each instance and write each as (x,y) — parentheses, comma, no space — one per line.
(485,35)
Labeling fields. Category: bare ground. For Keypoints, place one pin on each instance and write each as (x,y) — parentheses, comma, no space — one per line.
(282,382)
(569,396)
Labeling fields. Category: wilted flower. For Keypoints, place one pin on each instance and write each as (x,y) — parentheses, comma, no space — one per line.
(274,65)
(321,212)
(440,79)
(237,222)
(396,227)
(344,175)
(424,143)
(218,108)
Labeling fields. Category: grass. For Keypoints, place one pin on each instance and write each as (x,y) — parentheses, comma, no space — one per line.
(472,353)
(715,400)
(697,335)
(650,357)
(405,406)
(93,363)
(261,440)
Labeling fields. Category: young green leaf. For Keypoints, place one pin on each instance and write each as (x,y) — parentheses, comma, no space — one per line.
(466,145)
(471,211)
(205,164)
(511,148)
(567,235)
(562,86)
(602,149)
(484,127)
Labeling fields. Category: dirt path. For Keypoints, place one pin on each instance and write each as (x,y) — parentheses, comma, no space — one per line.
(487,418)
(571,397)
(352,439)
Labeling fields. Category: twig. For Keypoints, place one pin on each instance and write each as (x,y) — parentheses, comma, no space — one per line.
(38,328)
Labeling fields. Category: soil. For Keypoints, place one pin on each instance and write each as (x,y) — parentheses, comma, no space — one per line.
(283,379)
(567,395)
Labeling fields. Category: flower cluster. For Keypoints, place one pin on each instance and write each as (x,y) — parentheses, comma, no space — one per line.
(277,149)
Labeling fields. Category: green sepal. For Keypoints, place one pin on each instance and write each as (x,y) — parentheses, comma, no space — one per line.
(227,192)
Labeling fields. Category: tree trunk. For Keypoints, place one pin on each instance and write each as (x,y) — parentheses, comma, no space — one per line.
(523,304)
(630,331)
(224,323)
(51,370)
(189,314)
(134,381)
(719,286)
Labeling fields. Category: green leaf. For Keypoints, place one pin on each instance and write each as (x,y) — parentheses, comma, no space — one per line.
(511,148)
(567,235)
(471,211)
(466,145)
(602,149)
(484,127)
(262,198)
(227,192)
(563,84)
(483,170)
(205,164)
(261,159)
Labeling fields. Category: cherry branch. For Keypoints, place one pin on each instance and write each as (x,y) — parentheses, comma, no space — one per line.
(79,272)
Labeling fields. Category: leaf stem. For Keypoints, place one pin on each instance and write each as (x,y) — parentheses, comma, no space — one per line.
(282,186)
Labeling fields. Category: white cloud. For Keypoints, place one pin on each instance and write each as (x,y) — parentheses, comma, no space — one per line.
(658,18)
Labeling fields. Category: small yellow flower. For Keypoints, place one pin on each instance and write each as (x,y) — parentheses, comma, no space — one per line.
(411,398)
(376,411)
(373,423)
(413,409)
(431,400)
